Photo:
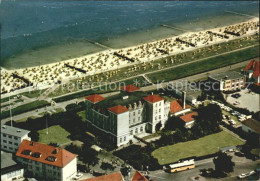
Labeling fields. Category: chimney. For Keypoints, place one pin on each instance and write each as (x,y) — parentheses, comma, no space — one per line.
(183,99)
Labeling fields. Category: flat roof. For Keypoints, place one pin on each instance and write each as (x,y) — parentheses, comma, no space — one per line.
(191,89)
(13,131)
(7,160)
(226,75)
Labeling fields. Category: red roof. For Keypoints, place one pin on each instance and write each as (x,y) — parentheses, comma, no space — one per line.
(45,153)
(256,69)
(111,177)
(139,177)
(189,117)
(255,66)
(129,88)
(176,106)
(153,98)
(118,109)
(95,98)
(249,65)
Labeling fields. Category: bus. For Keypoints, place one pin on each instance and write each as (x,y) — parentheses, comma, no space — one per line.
(180,166)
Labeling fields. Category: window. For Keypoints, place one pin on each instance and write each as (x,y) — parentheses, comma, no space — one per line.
(159,116)
(139,118)
(133,113)
(141,129)
(139,112)
(10,142)
(15,138)
(160,104)
(16,144)
(131,132)
(4,135)
(155,118)
(134,120)
(4,141)
(159,110)
(10,148)
(155,105)
(125,138)
(136,130)
(120,140)
(9,136)
(5,147)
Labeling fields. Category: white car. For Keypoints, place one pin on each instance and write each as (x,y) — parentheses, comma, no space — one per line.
(243,175)
(78,176)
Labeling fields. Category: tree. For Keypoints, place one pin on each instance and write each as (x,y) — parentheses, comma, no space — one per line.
(107,166)
(174,122)
(34,135)
(223,163)
(158,126)
(89,155)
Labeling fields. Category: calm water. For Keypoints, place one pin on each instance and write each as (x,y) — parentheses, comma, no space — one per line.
(38,32)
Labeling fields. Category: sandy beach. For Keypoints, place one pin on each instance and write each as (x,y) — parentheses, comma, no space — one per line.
(49,74)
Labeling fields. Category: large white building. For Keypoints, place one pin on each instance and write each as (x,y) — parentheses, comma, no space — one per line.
(120,122)
(46,162)
(11,138)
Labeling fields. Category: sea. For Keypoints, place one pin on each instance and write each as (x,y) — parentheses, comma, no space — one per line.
(36,32)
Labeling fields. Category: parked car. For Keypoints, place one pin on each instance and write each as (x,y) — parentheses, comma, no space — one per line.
(78,176)
(243,175)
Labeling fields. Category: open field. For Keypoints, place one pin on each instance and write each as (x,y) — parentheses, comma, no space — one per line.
(56,134)
(202,146)
(205,65)
(25,108)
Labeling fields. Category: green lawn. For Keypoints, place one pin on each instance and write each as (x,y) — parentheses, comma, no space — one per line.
(56,134)
(204,65)
(203,146)
(33,94)
(25,108)
(82,114)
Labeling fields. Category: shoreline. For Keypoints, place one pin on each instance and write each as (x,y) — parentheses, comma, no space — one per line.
(95,63)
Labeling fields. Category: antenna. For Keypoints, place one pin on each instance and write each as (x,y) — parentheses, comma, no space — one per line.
(10,112)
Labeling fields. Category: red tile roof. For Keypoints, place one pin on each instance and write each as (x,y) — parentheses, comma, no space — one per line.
(139,177)
(253,124)
(111,177)
(176,106)
(249,65)
(189,117)
(95,98)
(129,88)
(61,156)
(153,98)
(118,109)
(255,66)
(256,69)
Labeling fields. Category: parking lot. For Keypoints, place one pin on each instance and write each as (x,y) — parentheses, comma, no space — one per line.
(247,100)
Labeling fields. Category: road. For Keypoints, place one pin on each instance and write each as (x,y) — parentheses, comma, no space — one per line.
(40,111)
(242,165)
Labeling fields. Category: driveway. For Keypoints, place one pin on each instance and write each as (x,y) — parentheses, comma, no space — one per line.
(247,100)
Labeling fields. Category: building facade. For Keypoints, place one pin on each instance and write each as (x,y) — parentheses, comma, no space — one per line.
(46,162)
(121,123)
(11,138)
(228,81)
(10,170)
